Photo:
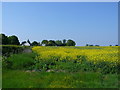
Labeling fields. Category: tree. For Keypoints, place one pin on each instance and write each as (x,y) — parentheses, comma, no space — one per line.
(39,44)
(64,42)
(3,39)
(91,45)
(87,44)
(23,42)
(51,43)
(58,43)
(35,43)
(44,42)
(70,43)
(96,45)
(13,40)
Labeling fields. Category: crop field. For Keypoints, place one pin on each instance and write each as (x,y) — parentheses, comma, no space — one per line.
(95,54)
(96,58)
(63,67)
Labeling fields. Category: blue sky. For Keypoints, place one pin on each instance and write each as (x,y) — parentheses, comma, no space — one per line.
(89,22)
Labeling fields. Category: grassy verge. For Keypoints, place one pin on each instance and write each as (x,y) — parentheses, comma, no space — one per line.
(23,79)
(19,61)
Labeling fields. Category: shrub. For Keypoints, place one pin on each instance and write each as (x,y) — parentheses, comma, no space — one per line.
(19,61)
(11,49)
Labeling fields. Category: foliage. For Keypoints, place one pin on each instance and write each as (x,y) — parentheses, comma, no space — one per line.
(13,40)
(51,43)
(64,42)
(3,39)
(19,61)
(59,43)
(44,42)
(70,43)
(35,43)
(11,49)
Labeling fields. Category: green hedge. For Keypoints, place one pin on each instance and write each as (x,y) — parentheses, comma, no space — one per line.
(11,49)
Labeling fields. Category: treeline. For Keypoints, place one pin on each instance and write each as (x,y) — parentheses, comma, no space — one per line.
(51,43)
(9,40)
(13,40)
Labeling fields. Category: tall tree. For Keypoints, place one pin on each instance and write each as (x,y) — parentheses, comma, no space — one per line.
(59,43)
(13,40)
(44,42)
(3,39)
(51,43)
(71,43)
(35,43)
(64,42)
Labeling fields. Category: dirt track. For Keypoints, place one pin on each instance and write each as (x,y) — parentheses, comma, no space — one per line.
(27,50)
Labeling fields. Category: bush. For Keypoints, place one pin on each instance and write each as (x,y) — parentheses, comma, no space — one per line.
(11,49)
(19,61)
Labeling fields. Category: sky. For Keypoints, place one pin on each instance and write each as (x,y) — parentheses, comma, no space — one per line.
(84,22)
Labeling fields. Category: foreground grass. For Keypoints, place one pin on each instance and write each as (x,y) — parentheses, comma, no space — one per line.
(23,79)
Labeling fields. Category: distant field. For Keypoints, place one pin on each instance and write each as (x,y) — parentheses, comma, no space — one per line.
(62,67)
(96,54)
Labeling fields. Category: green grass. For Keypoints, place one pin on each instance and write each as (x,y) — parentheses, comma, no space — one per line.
(19,61)
(22,79)
(0,73)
